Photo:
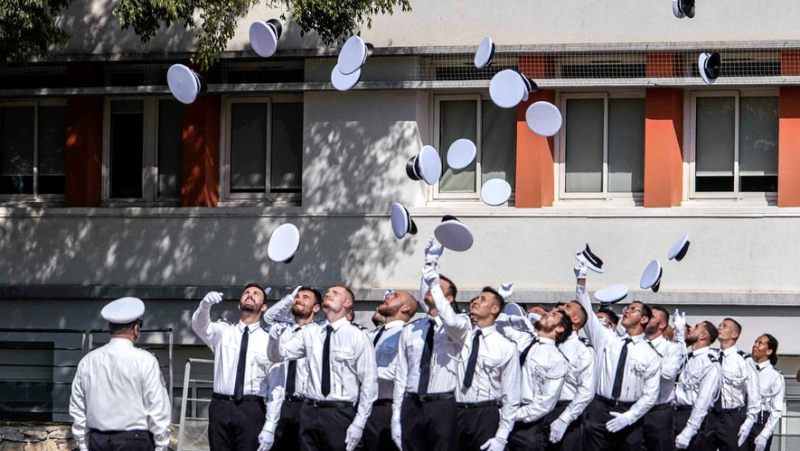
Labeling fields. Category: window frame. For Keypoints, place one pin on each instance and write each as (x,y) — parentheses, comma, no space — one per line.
(436,194)
(225,148)
(627,198)
(150,154)
(735,194)
(35,196)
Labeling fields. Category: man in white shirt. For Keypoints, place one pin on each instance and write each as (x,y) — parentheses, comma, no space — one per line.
(656,436)
(396,310)
(628,376)
(737,408)
(487,396)
(563,426)
(237,410)
(424,407)
(342,374)
(544,369)
(119,398)
(773,389)
(696,388)
(286,381)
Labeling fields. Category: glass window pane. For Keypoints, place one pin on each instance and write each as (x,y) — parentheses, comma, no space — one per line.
(626,145)
(248,147)
(127,148)
(457,119)
(52,143)
(714,147)
(584,147)
(758,143)
(286,161)
(170,142)
(499,143)
(16,150)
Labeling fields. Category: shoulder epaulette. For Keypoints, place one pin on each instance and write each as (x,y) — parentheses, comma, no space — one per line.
(413,322)
(743,354)
(320,322)
(712,357)
(585,341)
(358,325)
(222,319)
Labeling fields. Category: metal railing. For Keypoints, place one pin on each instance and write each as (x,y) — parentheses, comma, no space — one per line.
(189,383)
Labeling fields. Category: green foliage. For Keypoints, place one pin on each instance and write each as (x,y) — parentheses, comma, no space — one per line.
(28,28)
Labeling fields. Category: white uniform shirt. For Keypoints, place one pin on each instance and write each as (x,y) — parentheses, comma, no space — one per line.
(697,386)
(496,377)
(386,355)
(642,372)
(543,374)
(772,388)
(579,384)
(673,355)
(450,332)
(739,382)
(119,387)
(353,372)
(276,383)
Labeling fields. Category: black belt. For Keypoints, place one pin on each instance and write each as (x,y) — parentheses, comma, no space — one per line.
(733,409)
(295,398)
(682,408)
(613,402)
(664,406)
(431,396)
(132,431)
(383,402)
(246,398)
(329,404)
(563,403)
(475,405)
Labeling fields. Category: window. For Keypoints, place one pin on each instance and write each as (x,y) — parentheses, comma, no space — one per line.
(602,146)
(33,139)
(143,134)
(734,144)
(264,148)
(491,128)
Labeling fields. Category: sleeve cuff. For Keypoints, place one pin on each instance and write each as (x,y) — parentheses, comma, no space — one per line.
(359,421)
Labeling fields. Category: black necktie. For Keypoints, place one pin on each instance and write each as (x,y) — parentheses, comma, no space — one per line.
(326,361)
(378,336)
(718,402)
(291,373)
(425,362)
(473,359)
(524,356)
(623,355)
(238,388)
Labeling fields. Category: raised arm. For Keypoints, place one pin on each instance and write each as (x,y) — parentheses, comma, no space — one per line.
(595,331)
(208,331)
(457,326)
(281,308)
(284,345)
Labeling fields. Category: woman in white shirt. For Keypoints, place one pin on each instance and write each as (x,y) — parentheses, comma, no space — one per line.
(765,356)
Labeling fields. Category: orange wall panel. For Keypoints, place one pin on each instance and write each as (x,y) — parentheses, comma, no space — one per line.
(84,152)
(534,186)
(789,148)
(663,147)
(200,154)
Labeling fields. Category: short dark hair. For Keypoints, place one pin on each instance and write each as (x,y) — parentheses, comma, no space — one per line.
(658,308)
(646,310)
(117,328)
(541,306)
(348,290)
(453,291)
(738,326)
(315,292)
(494,293)
(772,344)
(610,313)
(712,331)
(256,285)
(559,304)
(566,323)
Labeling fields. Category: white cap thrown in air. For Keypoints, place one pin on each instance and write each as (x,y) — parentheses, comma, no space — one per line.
(283,243)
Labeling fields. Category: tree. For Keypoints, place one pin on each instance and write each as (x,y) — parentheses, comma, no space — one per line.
(29,27)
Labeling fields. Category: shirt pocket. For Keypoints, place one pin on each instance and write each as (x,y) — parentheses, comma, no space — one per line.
(345,361)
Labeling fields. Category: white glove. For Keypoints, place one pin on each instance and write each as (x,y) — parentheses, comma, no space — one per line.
(294,292)
(433,251)
(430,276)
(679,324)
(533,317)
(211,298)
(557,430)
(397,434)
(388,292)
(506,290)
(760,442)
(276,330)
(494,444)
(580,271)
(620,422)
(265,440)
(744,430)
(682,441)
(353,436)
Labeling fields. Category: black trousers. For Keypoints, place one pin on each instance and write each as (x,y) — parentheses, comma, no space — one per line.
(378,431)
(429,425)
(761,421)
(287,432)
(527,436)
(598,438)
(703,440)
(235,426)
(324,428)
(120,441)
(573,437)
(476,425)
(725,428)
(658,426)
